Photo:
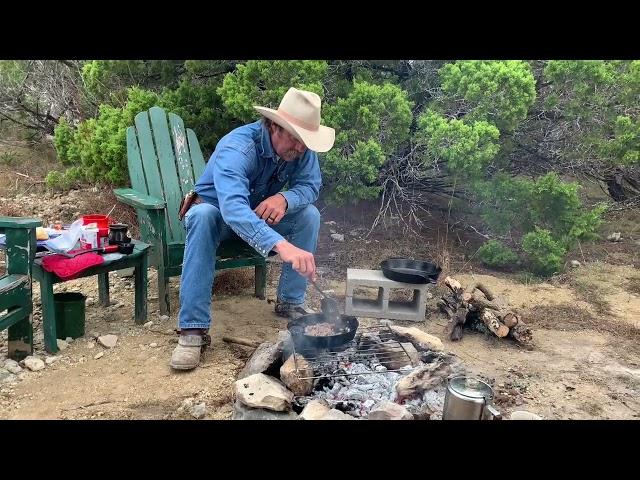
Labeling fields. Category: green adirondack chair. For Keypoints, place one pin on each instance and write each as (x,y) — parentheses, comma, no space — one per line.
(164,160)
(15,286)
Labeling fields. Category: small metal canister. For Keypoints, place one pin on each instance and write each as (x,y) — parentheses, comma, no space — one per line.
(469,398)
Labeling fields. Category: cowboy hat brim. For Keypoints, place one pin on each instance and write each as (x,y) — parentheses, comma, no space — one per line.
(320,140)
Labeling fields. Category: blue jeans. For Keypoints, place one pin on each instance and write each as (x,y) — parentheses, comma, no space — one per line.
(205,230)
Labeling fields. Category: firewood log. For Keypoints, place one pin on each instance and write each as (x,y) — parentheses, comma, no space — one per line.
(493,324)
(521,333)
(510,319)
(453,284)
(483,288)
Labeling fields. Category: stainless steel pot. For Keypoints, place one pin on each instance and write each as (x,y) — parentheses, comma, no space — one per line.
(469,398)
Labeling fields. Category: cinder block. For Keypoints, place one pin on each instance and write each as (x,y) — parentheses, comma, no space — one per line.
(382,306)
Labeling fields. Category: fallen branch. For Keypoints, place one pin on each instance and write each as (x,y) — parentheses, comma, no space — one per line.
(241,341)
(92,404)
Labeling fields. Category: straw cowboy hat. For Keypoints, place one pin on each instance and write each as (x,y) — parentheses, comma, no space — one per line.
(299,113)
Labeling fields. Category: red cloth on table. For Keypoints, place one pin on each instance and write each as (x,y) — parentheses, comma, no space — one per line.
(69,268)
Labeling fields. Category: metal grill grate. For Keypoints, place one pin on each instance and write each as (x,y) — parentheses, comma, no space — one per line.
(371,346)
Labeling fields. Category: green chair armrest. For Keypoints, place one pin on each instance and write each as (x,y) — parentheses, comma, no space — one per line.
(19,222)
(139,200)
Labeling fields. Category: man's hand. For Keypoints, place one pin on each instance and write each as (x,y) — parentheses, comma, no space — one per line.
(272,209)
(301,260)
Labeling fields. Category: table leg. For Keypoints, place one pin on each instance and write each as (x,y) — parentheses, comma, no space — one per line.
(103,289)
(141,289)
(48,313)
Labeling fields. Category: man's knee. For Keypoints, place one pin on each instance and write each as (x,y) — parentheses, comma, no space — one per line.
(310,216)
(203,214)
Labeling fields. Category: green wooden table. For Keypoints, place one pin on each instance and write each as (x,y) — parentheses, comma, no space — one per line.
(138,259)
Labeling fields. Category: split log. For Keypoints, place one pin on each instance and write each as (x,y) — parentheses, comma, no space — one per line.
(493,324)
(521,333)
(453,284)
(505,315)
(456,326)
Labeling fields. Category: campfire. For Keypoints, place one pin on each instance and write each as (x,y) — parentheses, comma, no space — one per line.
(384,372)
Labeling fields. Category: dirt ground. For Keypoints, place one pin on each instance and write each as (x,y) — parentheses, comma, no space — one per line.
(584,362)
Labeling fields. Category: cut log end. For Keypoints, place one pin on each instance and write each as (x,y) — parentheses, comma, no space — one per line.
(510,319)
(496,326)
(453,284)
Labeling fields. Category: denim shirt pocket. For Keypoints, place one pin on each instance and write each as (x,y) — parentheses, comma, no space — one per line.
(258,193)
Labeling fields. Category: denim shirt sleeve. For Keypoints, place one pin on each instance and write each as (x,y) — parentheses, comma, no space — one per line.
(231,177)
(304,183)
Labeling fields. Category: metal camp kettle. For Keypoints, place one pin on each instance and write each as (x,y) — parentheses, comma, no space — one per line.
(469,398)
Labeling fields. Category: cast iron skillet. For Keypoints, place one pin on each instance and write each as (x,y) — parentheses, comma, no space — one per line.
(296,327)
(410,271)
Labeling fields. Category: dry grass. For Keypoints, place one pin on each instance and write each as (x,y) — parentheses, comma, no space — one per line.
(27,169)
(234,281)
(633,285)
(591,293)
(575,318)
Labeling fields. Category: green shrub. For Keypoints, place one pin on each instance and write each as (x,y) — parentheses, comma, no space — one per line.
(495,254)
(545,254)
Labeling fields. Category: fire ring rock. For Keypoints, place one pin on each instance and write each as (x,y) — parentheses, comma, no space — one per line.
(291,377)
(390,411)
(262,391)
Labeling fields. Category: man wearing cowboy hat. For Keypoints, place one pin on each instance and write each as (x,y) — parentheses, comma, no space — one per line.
(239,192)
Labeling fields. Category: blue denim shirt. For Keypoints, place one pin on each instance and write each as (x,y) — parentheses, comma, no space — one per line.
(244,170)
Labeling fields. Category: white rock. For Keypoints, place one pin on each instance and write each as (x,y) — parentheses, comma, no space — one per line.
(335,414)
(292,377)
(12,366)
(262,391)
(33,363)
(389,411)
(338,237)
(6,377)
(524,415)
(68,339)
(98,355)
(163,318)
(575,263)
(199,410)
(315,410)
(614,237)
(91,345)
(153,345)
(108,341)
(90,301)
(50,360)
(62,344)
(148,324)
(186,405)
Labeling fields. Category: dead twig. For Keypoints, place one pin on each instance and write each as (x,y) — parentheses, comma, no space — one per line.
(92,404)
